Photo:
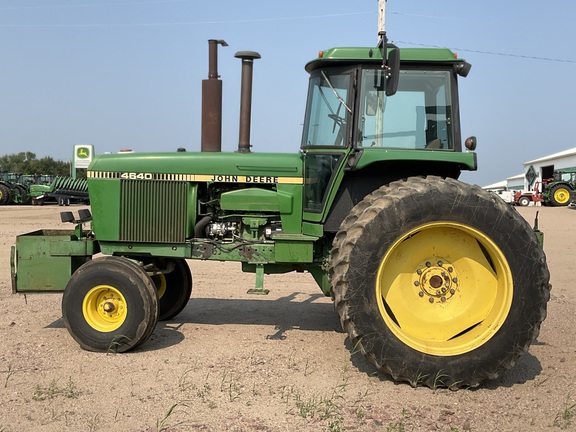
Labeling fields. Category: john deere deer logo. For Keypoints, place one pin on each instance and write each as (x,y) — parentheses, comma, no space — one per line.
(82,153)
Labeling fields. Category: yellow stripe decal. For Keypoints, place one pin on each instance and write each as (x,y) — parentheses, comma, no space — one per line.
(210,178)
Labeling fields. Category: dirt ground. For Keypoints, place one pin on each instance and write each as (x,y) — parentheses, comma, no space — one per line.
(235,362)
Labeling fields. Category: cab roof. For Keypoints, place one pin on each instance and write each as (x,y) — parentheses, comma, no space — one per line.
(352,55)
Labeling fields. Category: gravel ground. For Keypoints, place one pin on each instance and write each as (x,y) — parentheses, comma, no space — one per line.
(235,362)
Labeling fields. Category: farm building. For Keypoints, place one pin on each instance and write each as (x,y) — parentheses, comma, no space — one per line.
(540,169)
(537,170)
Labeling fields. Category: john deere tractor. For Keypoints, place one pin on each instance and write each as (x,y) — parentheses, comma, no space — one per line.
(560,189)
(436,282)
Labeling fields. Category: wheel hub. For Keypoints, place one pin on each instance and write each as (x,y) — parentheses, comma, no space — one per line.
(104,308)
(437,280)
(109,307)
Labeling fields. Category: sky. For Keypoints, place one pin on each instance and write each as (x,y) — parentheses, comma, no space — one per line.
(123,74)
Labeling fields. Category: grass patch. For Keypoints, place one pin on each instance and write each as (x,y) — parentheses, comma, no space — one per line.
(564,417)
(53,390)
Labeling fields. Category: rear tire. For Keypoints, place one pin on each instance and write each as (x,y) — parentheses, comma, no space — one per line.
(110,305)
(438,283)
(560,196)
(4,194)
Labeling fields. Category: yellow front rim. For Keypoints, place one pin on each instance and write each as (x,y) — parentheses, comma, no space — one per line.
(561,196)
(104,308)
(444,288)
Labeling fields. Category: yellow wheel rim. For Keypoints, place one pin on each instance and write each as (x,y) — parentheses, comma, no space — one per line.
(160,282)
(444,288)
(104,308)
(561,195)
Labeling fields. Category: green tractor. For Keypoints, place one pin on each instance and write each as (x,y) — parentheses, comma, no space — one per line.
(437,282)
(13,189)
(559,190)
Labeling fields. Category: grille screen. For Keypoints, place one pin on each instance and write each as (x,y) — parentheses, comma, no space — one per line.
(153,211)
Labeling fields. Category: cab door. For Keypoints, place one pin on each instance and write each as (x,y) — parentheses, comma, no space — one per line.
(326,141)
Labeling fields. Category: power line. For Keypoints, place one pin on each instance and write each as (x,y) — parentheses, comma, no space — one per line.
(79,5)
(240,21)
(494,53)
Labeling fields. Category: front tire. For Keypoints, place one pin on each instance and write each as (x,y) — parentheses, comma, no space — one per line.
(174,288)
(110,304)
(438,283)
(524,201)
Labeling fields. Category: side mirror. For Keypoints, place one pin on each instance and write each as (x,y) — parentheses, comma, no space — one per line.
(392,71)
(463,69)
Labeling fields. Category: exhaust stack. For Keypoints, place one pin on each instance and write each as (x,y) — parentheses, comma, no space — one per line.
(248,58)
(211,140)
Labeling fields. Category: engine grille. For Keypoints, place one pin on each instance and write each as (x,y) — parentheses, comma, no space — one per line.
(153,211)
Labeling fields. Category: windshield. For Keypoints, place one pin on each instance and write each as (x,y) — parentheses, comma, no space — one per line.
(328,110)
(418,116)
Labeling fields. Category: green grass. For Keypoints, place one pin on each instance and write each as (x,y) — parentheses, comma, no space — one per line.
(53,390)
(9,372)
(564,417)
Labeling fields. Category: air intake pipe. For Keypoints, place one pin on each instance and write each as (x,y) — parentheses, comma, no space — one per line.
(248,58)
(211,140)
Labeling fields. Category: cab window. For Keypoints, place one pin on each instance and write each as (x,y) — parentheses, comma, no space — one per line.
(418,116)
(328,111)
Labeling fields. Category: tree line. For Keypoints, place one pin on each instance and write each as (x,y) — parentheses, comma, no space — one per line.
(28,163)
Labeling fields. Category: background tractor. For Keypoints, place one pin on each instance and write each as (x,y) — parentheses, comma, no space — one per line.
(559,190)
(437,282)
(13,189)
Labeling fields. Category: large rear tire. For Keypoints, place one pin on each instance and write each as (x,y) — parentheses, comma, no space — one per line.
(110,305)
(4,194)
(438,283)
(560,195)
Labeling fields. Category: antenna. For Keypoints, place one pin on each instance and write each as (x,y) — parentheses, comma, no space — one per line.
(381,22)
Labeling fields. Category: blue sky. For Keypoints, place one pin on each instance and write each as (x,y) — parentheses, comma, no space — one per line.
(127,73)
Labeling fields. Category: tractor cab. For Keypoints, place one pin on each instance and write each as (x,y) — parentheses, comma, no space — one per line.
(348,105)
(363,113)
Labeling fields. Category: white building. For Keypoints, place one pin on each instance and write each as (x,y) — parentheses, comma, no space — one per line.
(536,170)
(511,183)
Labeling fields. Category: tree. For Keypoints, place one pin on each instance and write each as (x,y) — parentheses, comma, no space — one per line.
(27,163)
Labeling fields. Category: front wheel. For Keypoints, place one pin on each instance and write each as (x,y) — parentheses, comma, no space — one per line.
(524,201)
(438,283)
(110,304)
(174,287)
